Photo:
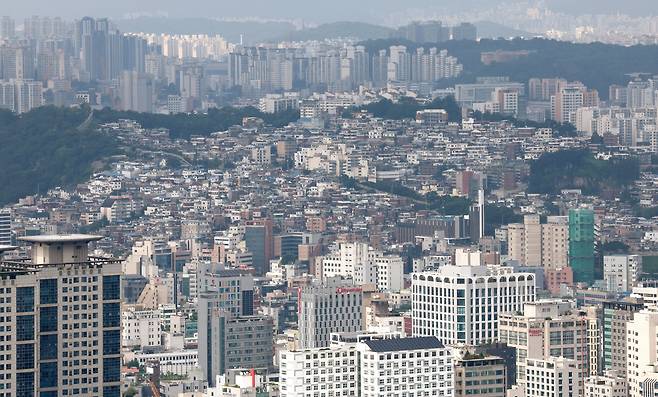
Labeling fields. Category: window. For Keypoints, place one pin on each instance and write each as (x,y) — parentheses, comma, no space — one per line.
(25,384)
(111,287)
(48,374)
(111,391)
(25,356)
(48,291)
(111,369)
(111,342)
(48,319)
(24,299)
(24,328)
(111,315)
(48,347)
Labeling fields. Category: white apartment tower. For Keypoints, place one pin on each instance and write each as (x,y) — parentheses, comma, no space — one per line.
(642,333)
(461,304)
(621,272)
(62,330)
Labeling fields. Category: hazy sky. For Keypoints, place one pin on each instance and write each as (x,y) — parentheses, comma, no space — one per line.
(312,10)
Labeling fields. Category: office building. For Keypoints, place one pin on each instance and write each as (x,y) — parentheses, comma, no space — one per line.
(553,377)
(227,341)
(642,339)
(479,374)
(327,308)
(5,227)
(461,304)
(259,240)
(62,330)
(539,245)
(621,272)
(404,367)
(548,328)
(581,244)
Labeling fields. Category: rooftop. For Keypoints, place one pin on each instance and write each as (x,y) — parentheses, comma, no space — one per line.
(5,248)
(54,239)
(401,344)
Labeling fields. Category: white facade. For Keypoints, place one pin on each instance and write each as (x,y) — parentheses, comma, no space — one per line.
(641,342)
(177,362)
(621,272)
(140,328)
(610,385)
(5,227)
(461,304)
(405,367)
(319,372)
(365,266)
(555,377)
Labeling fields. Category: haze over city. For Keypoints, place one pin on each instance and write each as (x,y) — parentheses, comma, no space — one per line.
(328,198)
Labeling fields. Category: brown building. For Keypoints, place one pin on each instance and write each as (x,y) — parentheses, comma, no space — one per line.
(480,375)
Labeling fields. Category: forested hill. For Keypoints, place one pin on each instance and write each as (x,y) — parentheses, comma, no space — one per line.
(44,148)
(50,147)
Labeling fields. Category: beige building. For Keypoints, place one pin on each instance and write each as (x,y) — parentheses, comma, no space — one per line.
(554,377)
(547,328)
(540,245)
(612,384)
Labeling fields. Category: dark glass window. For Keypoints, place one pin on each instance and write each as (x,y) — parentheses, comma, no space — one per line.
(48,291)
(111,287)
(111,315)
(24,299)
(24,328)
(111,369)
(48,347)
(25,356)
(48,319)
(48,394)
(48,374)
(25,384)
(111,391)
(111,342)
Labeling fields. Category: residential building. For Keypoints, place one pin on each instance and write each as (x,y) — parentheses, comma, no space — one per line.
(5,227)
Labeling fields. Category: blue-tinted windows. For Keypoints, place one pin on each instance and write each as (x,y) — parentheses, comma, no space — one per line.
(48,319)
(24,299)
(25,384)
(111,369)
(25,356)
(111,342)
(48,374)
(48,347)
(111,287)
(111,315)
(48,291)
(24,328)
(111,391)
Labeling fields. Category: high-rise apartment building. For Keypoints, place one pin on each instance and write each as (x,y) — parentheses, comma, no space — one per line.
(462,304)
(5,227)
(330,307)
(136,91)
(62,330)
(7,28)
(581,244)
